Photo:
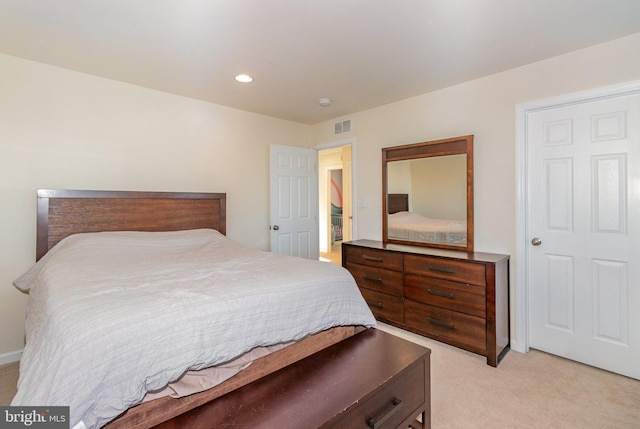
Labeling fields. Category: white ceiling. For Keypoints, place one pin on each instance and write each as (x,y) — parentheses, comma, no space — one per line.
(360,53)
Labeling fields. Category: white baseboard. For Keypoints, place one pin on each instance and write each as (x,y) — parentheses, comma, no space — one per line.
(518,346)
(10,357)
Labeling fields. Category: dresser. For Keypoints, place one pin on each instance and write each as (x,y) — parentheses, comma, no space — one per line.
(353,384)
(455,297)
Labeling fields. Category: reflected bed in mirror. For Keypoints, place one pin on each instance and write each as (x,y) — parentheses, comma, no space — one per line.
(428,194)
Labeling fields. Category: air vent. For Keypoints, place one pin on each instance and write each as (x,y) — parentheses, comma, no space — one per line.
(342,127)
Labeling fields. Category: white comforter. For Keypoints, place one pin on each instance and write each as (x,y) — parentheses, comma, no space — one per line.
(114,315)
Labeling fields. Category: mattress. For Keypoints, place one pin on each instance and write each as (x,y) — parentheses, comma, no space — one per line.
(415,227)
(112,316)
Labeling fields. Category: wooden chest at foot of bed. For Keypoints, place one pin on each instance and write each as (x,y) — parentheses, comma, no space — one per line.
(371,380)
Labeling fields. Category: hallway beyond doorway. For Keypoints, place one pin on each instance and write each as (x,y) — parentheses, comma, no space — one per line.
(334,255)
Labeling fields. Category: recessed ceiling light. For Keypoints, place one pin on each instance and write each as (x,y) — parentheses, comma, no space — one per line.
(244,78)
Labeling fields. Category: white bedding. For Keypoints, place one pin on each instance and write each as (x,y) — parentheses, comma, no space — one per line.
(113,315)
(415,227)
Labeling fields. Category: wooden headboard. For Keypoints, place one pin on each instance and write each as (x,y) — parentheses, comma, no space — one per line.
(398,203)
(63,212)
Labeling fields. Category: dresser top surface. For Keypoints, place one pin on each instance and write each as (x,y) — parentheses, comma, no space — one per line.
(428,251)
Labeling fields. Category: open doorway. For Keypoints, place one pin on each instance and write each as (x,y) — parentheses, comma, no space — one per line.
(335,201)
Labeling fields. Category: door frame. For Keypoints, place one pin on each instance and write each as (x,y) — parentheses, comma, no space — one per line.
(523,110)
(354,208)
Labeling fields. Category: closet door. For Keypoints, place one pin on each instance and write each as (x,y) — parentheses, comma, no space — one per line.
(584,225)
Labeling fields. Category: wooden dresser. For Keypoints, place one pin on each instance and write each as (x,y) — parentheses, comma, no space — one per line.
(370,380)
(455,297)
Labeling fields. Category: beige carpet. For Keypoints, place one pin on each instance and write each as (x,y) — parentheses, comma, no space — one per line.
(533,390)
(8,381)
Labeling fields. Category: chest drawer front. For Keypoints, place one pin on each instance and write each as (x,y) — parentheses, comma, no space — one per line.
(384,306)
(378,279)
(463,330)
(389,407)
(374,257)
(456,296)
(450,269)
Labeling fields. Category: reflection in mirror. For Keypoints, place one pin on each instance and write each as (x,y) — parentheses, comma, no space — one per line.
(428,194)
(428,200)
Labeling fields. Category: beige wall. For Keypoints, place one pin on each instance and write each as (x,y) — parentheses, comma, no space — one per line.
(486,108)
(443,194)
(62,129)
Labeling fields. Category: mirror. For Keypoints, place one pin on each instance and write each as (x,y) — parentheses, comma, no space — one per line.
(427,193)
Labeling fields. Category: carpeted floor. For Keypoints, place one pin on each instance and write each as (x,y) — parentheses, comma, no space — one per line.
(8,381)
(533,390)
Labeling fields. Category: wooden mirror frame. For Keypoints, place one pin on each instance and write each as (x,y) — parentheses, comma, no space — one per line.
(451,146)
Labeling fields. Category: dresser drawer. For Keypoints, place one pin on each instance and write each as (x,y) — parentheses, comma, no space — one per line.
(450,269)
(373,257)
(378,279)
(462,330)
(384,306)
(397,401)
(463,297)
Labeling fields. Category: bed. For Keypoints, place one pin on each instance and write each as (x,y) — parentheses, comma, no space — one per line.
(409,226)
(97,281)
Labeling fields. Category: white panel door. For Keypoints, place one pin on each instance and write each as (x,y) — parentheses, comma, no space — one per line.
(584,225)
(294,201)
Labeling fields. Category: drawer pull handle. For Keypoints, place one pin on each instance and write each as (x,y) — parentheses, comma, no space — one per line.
(440,269)
(442,294)
(371,258)
(373,279)
(376,423)
(374,304)
(440,323)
